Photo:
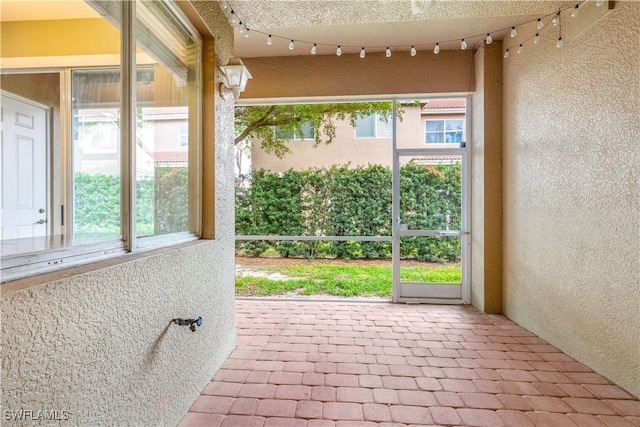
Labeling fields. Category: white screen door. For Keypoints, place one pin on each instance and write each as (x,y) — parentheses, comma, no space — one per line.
(24,169)
(431,226)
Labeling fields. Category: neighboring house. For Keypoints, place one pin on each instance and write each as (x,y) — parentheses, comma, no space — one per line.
(434,123)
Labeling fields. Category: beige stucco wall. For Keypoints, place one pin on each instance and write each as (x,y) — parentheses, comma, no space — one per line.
(347,149)
(349,75)
(486,181)
(96,340)
(572,194)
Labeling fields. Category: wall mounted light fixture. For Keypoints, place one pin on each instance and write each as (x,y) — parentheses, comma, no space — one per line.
(236,77)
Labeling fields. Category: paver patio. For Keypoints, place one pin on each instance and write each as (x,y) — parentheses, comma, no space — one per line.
(328,363)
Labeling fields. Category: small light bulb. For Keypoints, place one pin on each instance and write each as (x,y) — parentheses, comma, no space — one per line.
(234,18)
(514,32)
(556,20)
(413,51)
(506,53)
(246,34)
(225,6)
(560,42)
(362,53)
(240,27)
(436,49)
(519,49)
(599,3)
(536,39)
(269,40)
(463,44)
(540,24)
(314,49)
(574,12)
(339,51)
(388,52)
(489,39)
(291,45)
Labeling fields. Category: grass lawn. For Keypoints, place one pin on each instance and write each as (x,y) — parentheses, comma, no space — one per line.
(339,280)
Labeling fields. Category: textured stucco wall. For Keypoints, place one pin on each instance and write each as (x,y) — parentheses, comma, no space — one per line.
(572,194)
(486,181)
(96,340)
(349,75)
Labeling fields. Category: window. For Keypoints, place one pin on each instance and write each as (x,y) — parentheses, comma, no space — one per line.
(101,151)
(444,131)
(306,131)
(373,126)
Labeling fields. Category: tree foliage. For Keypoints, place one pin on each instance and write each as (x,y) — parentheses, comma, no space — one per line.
(259,121)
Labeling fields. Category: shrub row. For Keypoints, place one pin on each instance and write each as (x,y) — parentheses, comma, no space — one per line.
(162,203)
(343,201)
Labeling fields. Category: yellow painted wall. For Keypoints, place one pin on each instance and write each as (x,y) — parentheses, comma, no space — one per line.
(59,38)
(572,194)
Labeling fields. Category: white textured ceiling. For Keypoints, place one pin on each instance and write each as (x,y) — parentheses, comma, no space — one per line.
(376,24)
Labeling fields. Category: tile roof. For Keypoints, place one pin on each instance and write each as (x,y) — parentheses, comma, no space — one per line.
(170,156)
(445,104)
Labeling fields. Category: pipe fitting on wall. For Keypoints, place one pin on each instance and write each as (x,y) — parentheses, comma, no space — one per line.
(191,323)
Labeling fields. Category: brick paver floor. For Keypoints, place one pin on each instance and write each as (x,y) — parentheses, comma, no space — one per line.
(309,363)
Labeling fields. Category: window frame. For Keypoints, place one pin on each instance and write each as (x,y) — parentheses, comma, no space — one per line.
(376,129)
(54,252)
(444,131)
(295,136)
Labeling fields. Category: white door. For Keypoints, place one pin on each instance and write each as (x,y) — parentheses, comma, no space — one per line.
(24,140)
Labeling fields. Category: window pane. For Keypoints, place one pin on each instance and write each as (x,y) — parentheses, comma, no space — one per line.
(166,120)
(454,131)
(435,131)
(366,127)
(385,129)
(96,153)
(284,133)
(307,131)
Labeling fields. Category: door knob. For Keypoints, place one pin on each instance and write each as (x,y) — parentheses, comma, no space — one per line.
(41,221)
(41,210)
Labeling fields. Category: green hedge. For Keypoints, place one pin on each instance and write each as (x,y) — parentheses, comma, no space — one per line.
(343,201)
(162,203)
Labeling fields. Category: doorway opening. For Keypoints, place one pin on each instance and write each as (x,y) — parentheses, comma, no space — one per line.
(366,203)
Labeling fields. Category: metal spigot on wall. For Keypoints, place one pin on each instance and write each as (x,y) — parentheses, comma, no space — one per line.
(191,323)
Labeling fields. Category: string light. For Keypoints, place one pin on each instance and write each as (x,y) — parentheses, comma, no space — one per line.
(559,43)
(242,28)
(575,11)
